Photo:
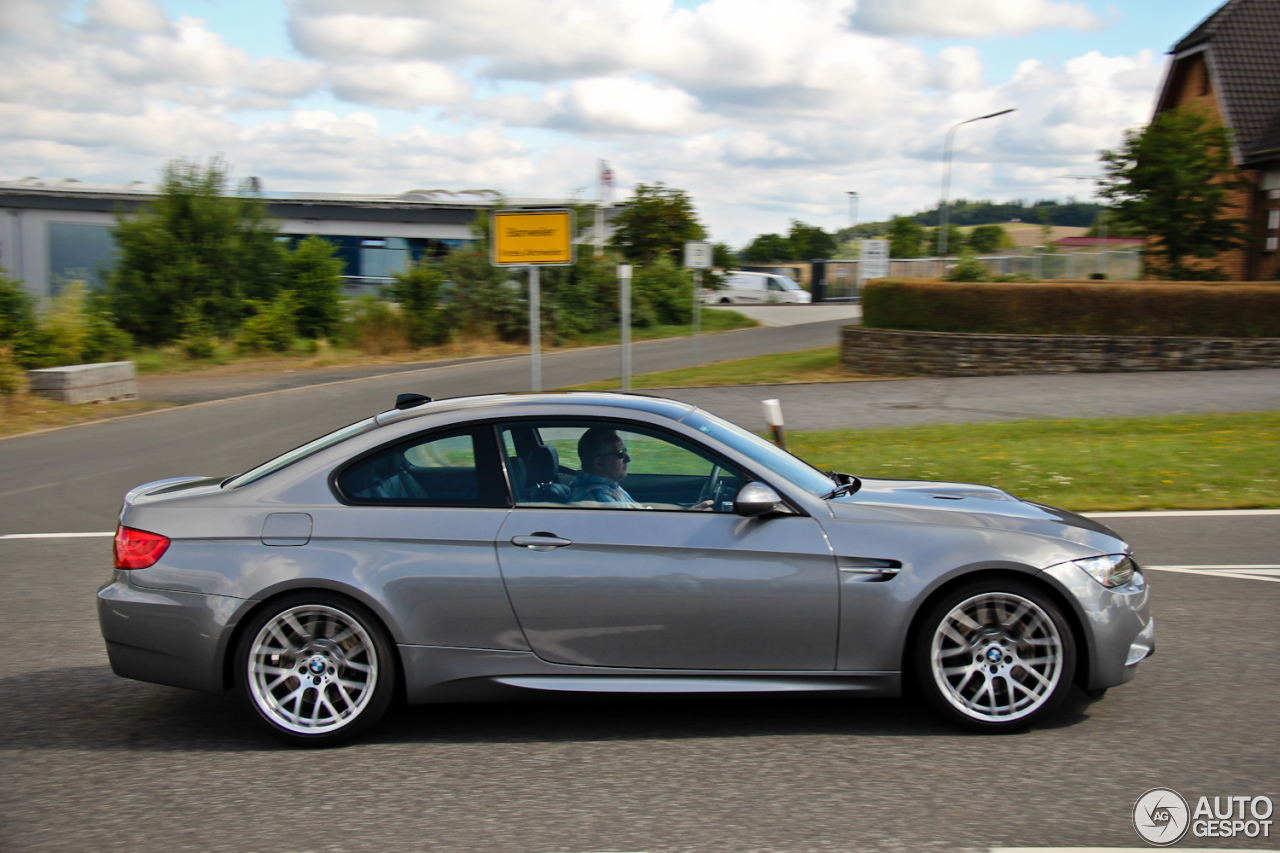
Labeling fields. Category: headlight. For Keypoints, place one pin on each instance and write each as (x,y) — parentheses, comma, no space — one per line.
(1110,570)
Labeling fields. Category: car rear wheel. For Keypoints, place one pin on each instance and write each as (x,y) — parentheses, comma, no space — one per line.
(995,655)
(315,668)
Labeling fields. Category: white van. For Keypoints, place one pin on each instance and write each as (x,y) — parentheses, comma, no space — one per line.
(759,287)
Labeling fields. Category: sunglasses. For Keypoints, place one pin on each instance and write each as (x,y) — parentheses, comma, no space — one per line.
(614,454)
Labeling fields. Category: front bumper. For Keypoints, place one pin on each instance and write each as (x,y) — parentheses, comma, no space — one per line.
(1119,630)
(173,638)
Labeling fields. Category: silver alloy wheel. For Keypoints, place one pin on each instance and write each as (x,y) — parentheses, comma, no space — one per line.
(997,657)
(312,669)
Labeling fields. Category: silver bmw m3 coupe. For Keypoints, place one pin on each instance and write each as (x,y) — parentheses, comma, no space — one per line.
(484,547)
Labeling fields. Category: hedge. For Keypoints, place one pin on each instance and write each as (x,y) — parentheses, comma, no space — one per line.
(1184,309)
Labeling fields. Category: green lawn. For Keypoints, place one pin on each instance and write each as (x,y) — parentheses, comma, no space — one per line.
(813,365)
(1177,462)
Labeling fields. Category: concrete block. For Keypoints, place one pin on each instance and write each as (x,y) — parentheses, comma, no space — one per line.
(87,383)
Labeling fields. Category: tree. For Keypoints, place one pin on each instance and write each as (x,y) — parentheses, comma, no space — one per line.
(985,239)
(809,242)
(194,253)
(1175,180)
(905,238)
(656,223)
(313,274)
(766,249)
(955,240)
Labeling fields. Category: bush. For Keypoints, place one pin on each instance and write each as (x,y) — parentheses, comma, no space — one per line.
(375,327)
(969,268)
(313,274)
(13,379)
(271,328)
(17,311)
(1075,308)
(662,293)
(419,293)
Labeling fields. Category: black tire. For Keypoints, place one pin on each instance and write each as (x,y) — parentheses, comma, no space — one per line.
(995,655)
(326,639)
(724,300)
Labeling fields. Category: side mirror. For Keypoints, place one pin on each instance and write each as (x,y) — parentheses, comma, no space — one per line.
(756,499)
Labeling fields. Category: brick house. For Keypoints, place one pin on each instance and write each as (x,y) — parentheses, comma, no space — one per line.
(1229,66)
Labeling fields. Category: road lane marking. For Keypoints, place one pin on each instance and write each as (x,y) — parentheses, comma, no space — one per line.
(1249,573)
(1180,513)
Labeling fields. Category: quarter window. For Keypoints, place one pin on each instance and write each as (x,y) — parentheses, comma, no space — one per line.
(439,470)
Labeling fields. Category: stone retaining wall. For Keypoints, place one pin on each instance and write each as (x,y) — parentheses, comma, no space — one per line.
(890,352)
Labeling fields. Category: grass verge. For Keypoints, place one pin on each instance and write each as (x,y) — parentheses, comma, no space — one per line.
(812,365)
(1219,461)
(28,412)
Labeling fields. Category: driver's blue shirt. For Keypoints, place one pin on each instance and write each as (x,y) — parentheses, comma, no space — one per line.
(589,488)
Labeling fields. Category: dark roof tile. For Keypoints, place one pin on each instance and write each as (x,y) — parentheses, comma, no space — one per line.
(1243,42)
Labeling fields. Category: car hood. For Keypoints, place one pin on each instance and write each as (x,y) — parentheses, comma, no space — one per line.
(960,504)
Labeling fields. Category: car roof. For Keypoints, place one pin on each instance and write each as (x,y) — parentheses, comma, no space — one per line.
(565,403)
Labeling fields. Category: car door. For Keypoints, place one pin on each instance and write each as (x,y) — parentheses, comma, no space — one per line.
(665,585)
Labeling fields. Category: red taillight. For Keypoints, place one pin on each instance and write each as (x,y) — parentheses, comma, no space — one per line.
(138,549)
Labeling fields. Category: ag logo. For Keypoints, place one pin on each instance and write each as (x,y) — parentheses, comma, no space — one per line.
(1161,816)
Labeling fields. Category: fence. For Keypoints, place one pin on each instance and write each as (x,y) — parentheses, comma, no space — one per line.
(839,279)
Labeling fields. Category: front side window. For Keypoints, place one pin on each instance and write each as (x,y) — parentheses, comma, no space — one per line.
(613,465)
(450,469)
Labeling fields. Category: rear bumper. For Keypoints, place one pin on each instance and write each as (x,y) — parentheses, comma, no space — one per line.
(173,638)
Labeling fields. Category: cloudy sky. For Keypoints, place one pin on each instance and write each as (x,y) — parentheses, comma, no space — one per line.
(764,110)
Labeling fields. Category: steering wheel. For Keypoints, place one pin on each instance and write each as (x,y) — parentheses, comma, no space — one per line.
(712,487)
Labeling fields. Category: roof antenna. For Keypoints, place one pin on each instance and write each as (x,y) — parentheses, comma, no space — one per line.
(408,401)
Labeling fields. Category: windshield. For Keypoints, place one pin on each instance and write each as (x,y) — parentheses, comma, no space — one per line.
(787,284)
(768,455)
(314,446)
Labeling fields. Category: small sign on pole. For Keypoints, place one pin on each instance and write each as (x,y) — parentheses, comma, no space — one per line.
(533,239)
(875,260)
(697,255)
(520,238)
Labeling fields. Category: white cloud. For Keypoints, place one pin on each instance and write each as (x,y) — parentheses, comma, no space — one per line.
(970,18)
(139,16)
(402,86)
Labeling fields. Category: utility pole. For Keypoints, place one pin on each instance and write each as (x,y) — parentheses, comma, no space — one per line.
(946,175)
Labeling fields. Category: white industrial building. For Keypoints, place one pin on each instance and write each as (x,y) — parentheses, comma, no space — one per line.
(53,232)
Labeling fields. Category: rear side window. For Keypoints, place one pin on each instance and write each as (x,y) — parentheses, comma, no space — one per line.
(442,469)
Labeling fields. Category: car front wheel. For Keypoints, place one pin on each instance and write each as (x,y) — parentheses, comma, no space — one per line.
(315,669)
(995,655)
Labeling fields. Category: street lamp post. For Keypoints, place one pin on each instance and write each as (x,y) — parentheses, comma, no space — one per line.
(946,174)
(853,211)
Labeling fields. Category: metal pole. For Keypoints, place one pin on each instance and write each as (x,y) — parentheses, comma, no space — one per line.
(535,331)
(600,229)
(853,212)
(946,176)
(697,315)
(624,298)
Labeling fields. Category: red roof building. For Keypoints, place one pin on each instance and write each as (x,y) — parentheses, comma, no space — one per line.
(1229,66)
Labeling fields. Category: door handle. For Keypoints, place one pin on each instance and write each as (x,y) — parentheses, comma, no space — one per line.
(540,541)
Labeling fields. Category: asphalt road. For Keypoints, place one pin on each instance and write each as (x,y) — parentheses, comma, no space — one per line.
(90,762)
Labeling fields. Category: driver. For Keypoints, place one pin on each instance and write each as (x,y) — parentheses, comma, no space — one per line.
(604,461)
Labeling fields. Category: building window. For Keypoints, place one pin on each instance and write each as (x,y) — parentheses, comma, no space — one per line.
(1273,220)
(79,253)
